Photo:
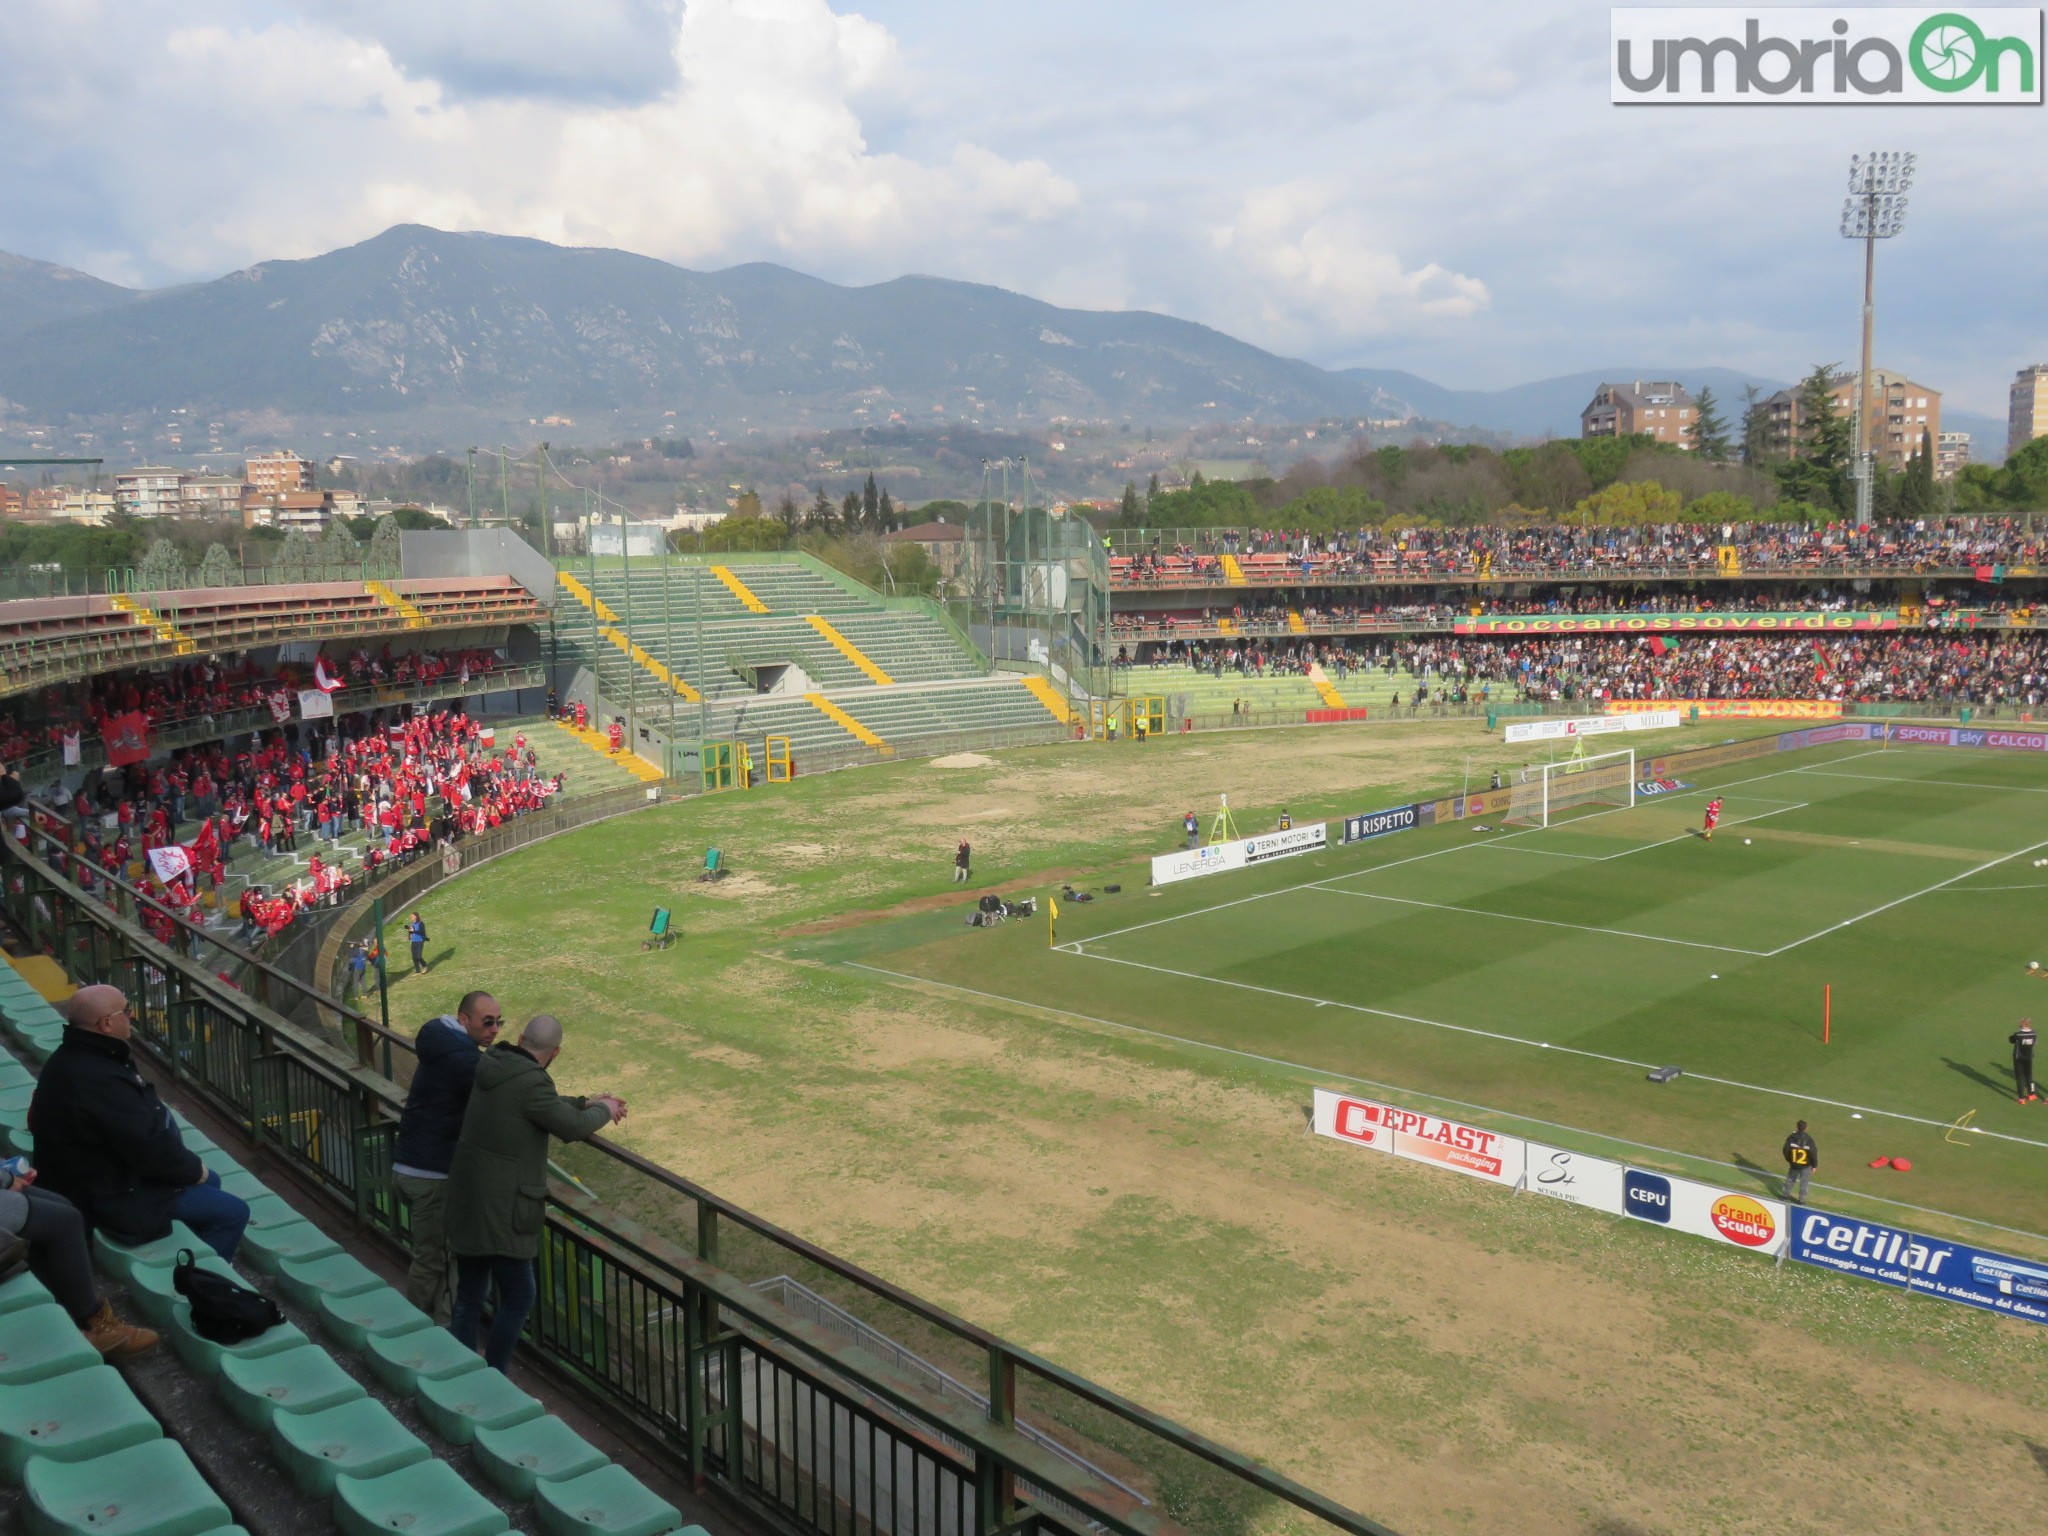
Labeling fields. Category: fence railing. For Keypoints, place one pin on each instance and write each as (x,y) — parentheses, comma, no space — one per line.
(639,1310)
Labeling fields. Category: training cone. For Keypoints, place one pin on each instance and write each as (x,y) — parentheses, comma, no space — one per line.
(1880,1162)
(1903,1164)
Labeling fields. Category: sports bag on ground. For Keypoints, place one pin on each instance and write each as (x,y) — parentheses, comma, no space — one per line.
(222,1311)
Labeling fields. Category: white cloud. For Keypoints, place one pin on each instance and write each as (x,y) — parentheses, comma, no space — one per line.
(1317,274)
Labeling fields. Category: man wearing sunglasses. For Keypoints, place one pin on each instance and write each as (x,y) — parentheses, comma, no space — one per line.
(106,1143)
(445,1054)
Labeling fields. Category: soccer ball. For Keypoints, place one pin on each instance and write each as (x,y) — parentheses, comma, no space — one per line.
(2033,965)
(1745,842)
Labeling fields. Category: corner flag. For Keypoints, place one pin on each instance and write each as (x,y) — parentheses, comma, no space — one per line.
(1052,920)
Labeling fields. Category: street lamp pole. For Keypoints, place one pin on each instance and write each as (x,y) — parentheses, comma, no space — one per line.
(1874,210)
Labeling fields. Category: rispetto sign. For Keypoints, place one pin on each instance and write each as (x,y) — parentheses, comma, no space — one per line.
(1824,56)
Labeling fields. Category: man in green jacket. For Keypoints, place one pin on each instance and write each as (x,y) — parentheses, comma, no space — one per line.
(497,1188)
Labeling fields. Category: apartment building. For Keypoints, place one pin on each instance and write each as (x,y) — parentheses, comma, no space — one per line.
(305,511)
(1901,412)
(279,473)
(1662,410)
(1951,453)
(2027,411)
(211,496)
(152,491)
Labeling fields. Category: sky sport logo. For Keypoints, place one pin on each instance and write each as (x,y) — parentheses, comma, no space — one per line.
(1821,56)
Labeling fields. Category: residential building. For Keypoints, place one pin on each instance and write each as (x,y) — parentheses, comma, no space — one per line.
(1951,453)
(2027,416)
(68,504)
(1901,413)
(279,473)
(152,491)
(10,502)
(945,543)
(305,511)
(212,496)
(348,503)
(1663,410)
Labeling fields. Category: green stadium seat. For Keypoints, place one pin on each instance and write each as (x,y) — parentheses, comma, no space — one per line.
(39,1045)
(271,1248)
(153,1287)
(238,1181)
(305,1281)
(151,1489)
(355,1439)
(349,1320)
(427,1499)
(14,1075)
(37,1343)
(402,1361)
(120,1259)
(519,1455)
(456,1407)
(14,1105)
(206,1357)
(24,1290)
(268,1211)
(302,1380)
(73,1417)
(608,1502)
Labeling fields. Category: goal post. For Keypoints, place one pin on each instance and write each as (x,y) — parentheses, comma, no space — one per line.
(1543,791)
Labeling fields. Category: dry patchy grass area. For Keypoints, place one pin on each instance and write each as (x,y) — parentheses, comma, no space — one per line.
(1439,1354)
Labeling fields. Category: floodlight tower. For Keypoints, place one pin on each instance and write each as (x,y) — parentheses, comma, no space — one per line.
(1874,210)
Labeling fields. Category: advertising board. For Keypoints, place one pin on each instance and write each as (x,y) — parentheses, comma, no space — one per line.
(1420,1137)
(1400,818)
(1597,725)
(1575,1178)
(1215,858)
(1969,736)
(1976,1277)
(1675,623)
(1705,1211)
(1734,709)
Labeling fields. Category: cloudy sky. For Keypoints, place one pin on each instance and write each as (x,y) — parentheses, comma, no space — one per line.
(1442,188)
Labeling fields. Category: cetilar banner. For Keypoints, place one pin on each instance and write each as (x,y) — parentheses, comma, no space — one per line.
(1976,1277)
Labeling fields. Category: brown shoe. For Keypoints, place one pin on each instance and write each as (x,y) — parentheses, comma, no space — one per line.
(115,1339)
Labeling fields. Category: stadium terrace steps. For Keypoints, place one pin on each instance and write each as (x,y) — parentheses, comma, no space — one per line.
(367,1428)
(599,743)
(846,722)
(845,647)
(1325,689)
(406,610)
(1233,572)
(167,633)
(1055,702)
(738,589)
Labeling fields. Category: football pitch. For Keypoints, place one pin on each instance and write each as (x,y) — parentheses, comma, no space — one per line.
(1529,978)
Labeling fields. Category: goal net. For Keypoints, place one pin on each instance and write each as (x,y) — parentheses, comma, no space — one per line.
(1543,791)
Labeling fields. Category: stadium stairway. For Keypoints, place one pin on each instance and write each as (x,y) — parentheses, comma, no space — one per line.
(626,762)
(356,1415)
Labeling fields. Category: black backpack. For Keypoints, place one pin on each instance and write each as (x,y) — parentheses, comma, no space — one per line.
(222,1311)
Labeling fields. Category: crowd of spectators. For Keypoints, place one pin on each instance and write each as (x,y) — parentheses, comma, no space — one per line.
(410,785)
(211,690)
(1393,553)
(1988,670)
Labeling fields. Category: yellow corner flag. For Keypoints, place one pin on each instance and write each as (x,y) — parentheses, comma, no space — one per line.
(1052,920)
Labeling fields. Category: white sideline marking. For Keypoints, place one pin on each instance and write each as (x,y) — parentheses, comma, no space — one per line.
(1907,778)
(1939,885)
(1972,890)
(1546,922)
(1455,848)
(1325,1072)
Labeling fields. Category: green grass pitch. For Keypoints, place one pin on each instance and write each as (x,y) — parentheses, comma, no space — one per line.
(1530,977)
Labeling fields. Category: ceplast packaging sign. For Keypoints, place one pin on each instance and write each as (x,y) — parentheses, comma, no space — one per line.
(1423,1138)
(1975,1277)
(1722,1215)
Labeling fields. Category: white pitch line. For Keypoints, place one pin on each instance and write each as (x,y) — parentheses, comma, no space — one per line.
(1546,922)
(1972,890)
(1296,1066)
(1900,778)
(1437,853)
(1739,821)
(1850,922)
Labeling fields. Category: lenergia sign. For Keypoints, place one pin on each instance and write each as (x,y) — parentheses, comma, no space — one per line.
(1826,56)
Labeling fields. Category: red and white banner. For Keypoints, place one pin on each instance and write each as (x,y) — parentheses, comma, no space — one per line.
(1423,1138)
(169,864)
(127,738)
(315,705)
(327,680)
(280,702)
(1593,725)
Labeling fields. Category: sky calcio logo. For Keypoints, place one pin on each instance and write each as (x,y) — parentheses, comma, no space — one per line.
(1982,56)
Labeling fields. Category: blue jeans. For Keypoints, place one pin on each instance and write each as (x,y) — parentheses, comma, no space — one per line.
(217,1217)
(514,1281)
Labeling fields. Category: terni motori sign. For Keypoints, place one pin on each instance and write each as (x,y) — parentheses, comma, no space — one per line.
(1976,56)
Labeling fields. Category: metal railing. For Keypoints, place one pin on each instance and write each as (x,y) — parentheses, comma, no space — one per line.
(639,1310)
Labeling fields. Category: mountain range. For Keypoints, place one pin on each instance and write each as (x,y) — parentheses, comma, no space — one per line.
(425,337)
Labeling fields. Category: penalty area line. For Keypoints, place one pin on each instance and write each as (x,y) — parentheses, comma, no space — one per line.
(1939,885)
(1435,1098)
(1546,922)
(1542,1045)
